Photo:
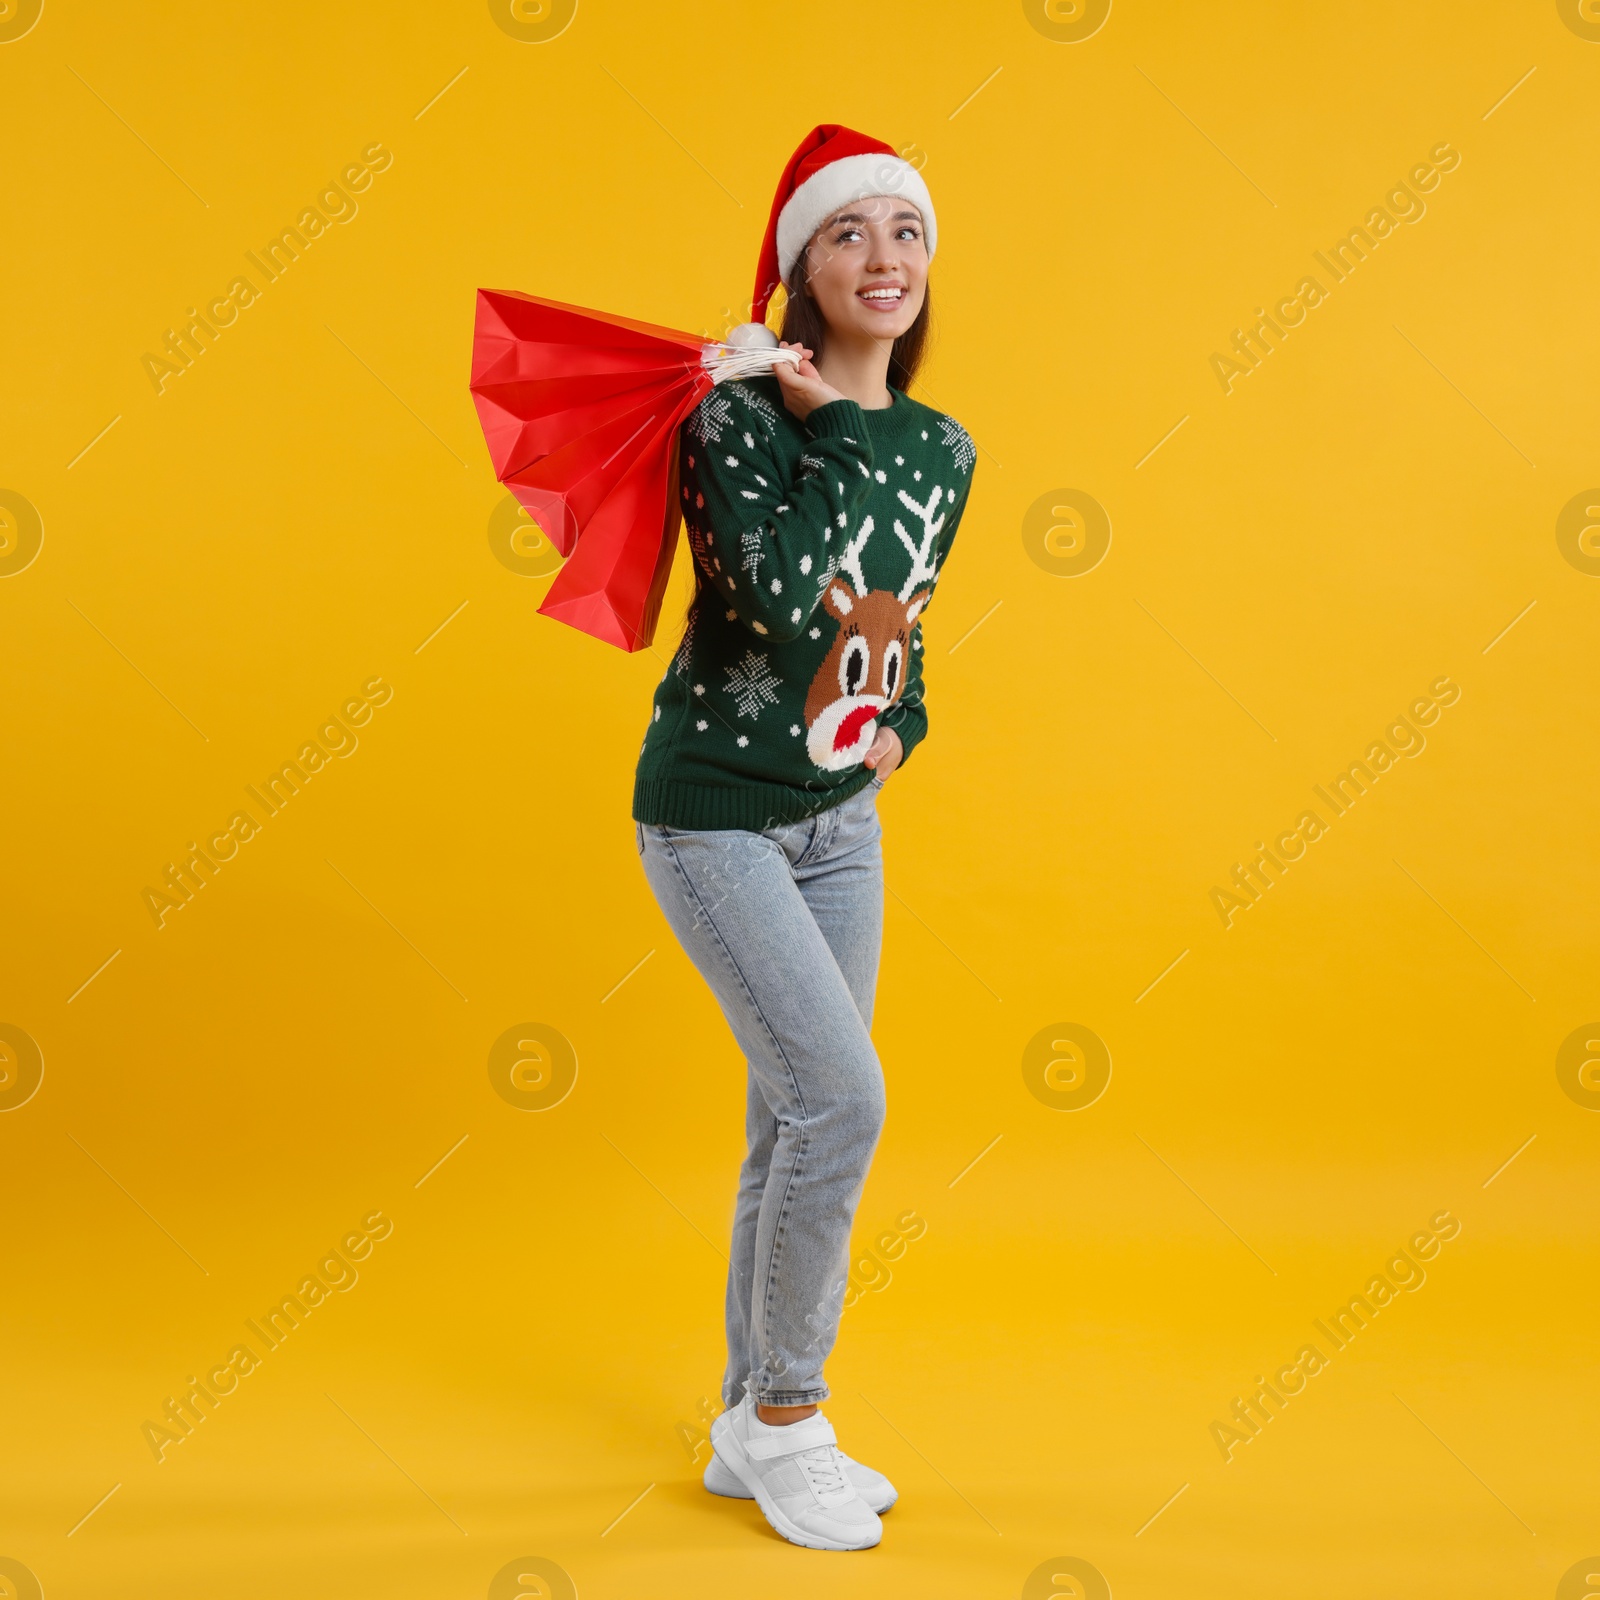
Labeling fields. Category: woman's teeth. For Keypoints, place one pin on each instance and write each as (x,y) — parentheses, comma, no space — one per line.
(883,296)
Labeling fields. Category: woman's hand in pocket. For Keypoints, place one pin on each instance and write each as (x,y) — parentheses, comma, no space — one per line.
(885,754)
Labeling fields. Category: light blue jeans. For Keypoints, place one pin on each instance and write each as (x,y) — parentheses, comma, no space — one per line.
(785,925)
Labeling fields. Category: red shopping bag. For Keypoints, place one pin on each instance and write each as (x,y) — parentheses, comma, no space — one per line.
(580,411)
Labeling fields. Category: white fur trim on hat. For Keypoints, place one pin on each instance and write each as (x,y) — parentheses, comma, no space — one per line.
(837,184)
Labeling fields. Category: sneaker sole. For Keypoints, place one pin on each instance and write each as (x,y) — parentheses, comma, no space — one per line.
(780,1523)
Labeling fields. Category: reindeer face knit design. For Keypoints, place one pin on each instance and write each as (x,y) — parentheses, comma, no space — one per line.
(817,547)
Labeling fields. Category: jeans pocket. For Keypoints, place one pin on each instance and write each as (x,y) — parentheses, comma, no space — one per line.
(638,835)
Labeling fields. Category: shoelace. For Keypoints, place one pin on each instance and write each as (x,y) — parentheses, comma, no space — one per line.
(823,1469)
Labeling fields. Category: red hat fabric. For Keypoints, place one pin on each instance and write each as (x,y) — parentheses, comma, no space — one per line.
(833,166)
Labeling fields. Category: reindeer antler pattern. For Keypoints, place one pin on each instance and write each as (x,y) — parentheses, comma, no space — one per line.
(923,568)
(850,561)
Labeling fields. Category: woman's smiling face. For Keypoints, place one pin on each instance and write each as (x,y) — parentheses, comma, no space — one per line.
(867,268)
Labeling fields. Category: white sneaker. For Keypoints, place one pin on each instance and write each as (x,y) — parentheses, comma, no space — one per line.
(797,1475)
(872,1486)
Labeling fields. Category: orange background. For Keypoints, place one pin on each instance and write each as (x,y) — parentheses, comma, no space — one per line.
(308,507)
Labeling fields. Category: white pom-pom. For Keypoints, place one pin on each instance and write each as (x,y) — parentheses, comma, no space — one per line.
(752,336)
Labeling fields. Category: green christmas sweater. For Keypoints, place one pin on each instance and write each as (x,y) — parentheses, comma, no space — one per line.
(817,546)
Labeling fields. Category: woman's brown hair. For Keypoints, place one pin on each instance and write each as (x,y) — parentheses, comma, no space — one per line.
(803,324)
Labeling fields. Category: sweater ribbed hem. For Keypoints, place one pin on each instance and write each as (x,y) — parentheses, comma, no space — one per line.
(751,806)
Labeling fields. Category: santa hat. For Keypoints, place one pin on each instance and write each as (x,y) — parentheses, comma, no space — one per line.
(832,167)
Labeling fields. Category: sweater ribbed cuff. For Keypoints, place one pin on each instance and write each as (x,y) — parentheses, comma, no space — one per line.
(840,419)
(911,724)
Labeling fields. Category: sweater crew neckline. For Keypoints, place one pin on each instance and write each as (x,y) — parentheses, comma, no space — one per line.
(887,422)
(892,419)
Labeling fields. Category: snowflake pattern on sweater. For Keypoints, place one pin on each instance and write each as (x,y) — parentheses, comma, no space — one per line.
(751,548)
(817,548)
(759,405)
(680,661)
(752,684)
(708,419)
(960,442)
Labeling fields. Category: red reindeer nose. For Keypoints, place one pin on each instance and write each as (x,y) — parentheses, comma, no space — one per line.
(850,726)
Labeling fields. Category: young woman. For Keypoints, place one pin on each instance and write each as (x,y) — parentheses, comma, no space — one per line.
(821,504)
